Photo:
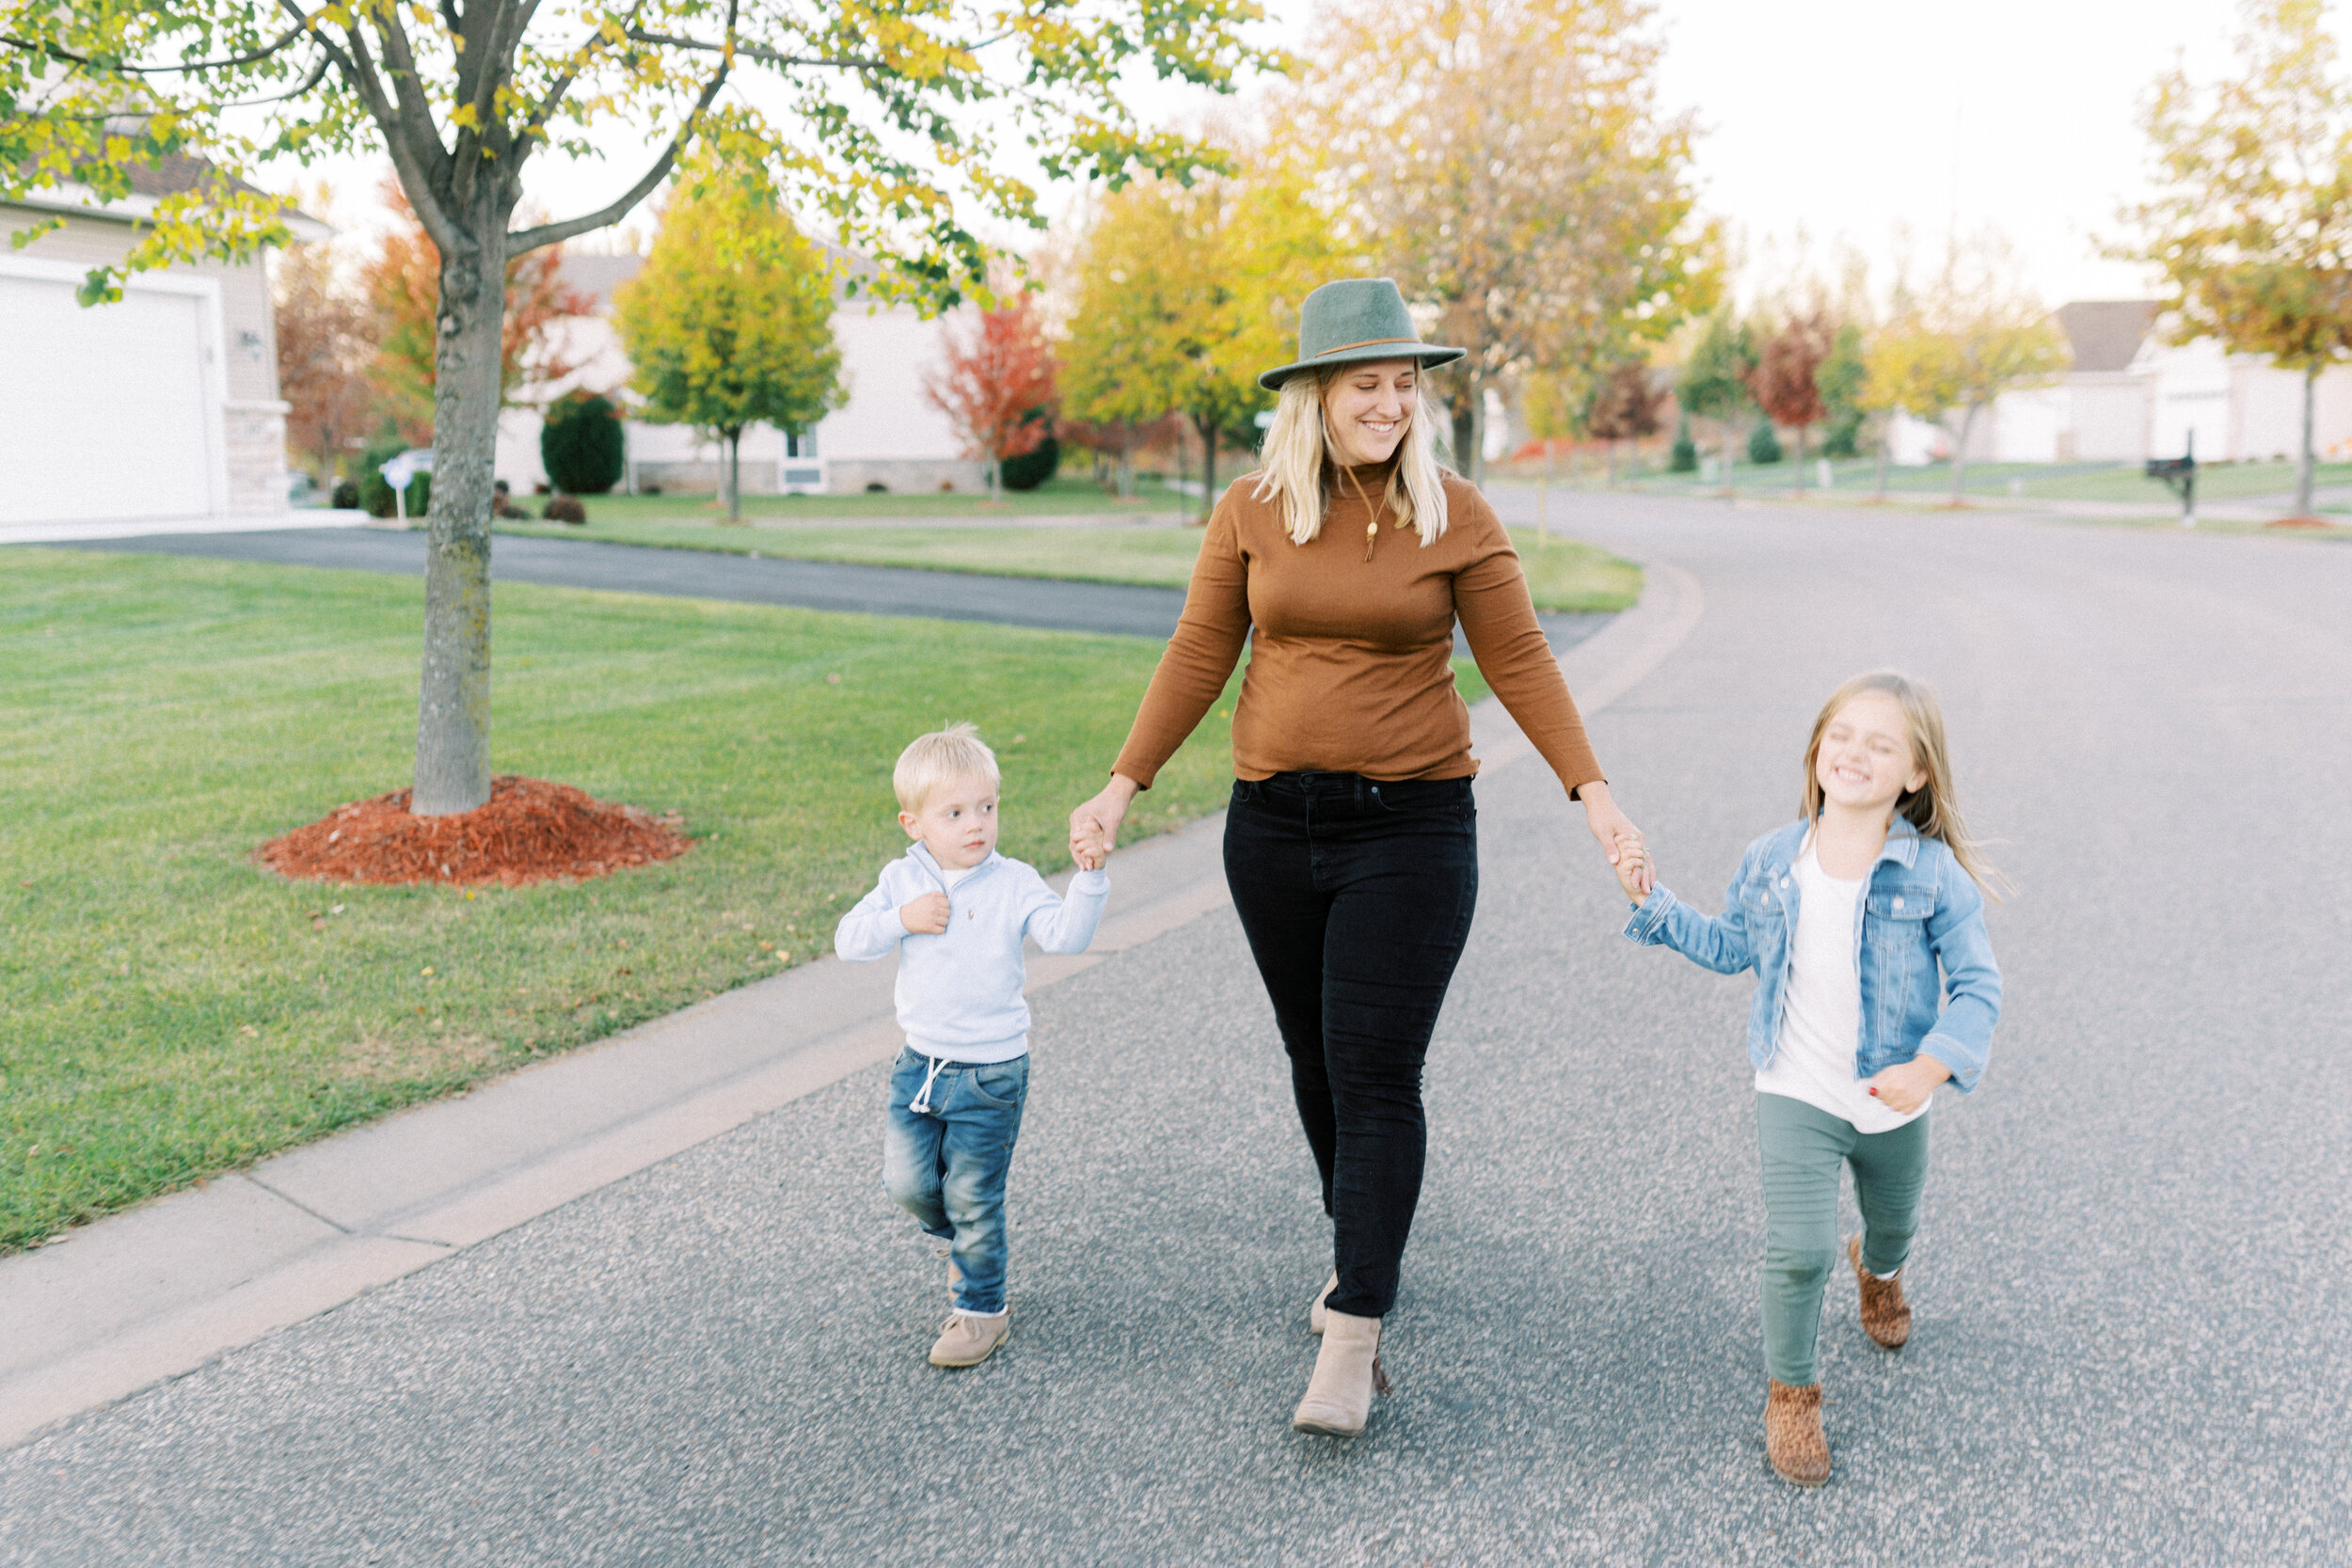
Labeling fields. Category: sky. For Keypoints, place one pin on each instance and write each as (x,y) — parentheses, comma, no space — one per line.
(1832,124)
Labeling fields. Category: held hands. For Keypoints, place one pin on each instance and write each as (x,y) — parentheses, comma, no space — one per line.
(1094,826)
(1906,1085)
(925,916)
(1621,839)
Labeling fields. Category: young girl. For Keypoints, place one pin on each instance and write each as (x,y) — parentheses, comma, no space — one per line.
(1845,916)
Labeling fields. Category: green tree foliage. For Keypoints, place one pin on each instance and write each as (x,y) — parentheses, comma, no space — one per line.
(1184,293)
(1714,380)
(2252,225)
(898,122)
(581,445)
(1840,379)
(1684,458)
(729,323)
(1507,161)
(1764,447)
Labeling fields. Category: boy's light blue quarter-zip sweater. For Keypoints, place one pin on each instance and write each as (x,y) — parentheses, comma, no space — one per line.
(958,991)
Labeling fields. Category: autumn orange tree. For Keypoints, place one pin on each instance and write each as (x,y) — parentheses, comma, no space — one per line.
(996,384)
(325,337)
(898,122)
(402,283)
(1626,405)
(2251,223)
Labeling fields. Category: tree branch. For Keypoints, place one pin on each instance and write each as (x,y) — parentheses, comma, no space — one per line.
(53,52)
(553,97)
(757,52)
(360,70)
(552,233)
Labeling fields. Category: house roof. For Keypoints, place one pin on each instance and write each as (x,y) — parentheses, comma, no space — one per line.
(598,275)
(150,184)
(2105,334)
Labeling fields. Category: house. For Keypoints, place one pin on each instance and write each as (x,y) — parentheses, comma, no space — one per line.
(2130,396)
(162,407)
(886,437)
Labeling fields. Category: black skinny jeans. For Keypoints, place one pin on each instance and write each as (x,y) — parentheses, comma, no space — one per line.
(1355,896)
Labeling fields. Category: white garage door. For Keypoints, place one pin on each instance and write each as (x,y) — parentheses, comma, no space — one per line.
(102,412)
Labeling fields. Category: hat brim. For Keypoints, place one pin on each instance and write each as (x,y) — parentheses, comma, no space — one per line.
(1428,353)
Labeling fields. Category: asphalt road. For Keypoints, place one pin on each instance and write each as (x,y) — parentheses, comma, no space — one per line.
(1121,608)
(2133,1327)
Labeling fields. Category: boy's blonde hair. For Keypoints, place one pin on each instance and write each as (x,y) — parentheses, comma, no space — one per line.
(942,757)
(1930,808)
(1298,469)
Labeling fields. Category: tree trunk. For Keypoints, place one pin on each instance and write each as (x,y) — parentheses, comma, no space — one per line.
(1801,430)
(453,697)
(1543,501)
(1208,468)
(1731,435)
(2304,469)
(1886,451)
(1612,462)
(735,473)
(1959,452)
(1468,431)
(1126,460)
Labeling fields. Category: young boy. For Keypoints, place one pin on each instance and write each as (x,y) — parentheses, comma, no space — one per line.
(954,911)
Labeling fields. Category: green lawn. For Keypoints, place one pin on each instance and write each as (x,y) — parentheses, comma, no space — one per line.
(174,1011)
(1563,573)
(1063,496)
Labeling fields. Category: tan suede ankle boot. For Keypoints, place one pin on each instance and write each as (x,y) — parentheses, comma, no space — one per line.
(1793,1439)
(1316,1310)
(1885,1316)
(1347,1372)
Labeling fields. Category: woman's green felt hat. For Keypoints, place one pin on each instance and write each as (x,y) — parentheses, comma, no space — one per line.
(1355,320)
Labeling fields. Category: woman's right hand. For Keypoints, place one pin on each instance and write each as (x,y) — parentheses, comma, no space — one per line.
(1094,826)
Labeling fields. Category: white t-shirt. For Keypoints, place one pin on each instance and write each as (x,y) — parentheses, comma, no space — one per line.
(1820,1022)
(952,875)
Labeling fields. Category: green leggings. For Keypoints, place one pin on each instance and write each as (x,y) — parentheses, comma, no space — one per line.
(1802,1146)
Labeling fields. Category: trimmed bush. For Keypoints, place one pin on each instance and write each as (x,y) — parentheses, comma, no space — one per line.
(580,446)
(1764,445)
(565,509)
(1031,468)
(345,496)
(1685,458)
(376,495)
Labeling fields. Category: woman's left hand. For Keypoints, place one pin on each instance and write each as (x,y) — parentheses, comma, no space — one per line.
(1905,1086)
(1615,829)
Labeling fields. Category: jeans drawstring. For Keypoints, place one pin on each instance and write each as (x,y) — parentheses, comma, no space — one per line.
(921,1103)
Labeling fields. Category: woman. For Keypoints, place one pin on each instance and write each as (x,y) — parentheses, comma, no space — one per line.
(1351,844)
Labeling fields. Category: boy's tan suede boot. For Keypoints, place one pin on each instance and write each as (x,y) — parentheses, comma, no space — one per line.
(1348,1371)
(1885,1316)
(1316,1310)
(1793,1439)
(966,1340)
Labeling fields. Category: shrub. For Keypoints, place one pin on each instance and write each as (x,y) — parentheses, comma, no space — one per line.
(565,509)
(1764,445)
(345,496)
(1685,458)
(1031,468)
(580,445)
(1844,438)
(376,495)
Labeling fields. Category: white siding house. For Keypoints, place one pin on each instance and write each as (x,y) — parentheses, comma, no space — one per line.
(2131,396)
(887,435)
(162,407)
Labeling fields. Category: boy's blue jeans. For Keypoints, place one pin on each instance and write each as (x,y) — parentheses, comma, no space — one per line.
(946,1165)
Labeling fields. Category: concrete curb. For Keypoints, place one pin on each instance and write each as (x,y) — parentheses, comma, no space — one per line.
(136,528)
(156,1292)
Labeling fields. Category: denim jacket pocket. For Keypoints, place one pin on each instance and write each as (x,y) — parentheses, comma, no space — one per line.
(1903,906)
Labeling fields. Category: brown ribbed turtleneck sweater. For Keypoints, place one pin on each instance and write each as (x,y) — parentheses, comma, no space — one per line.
(1351,670)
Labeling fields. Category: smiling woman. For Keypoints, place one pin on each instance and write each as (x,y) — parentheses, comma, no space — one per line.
(1351,844)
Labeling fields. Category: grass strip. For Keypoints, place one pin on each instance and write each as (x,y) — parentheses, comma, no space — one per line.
(1562,574)
(175,1011)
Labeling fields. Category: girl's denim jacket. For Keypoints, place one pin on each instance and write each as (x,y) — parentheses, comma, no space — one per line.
(1920,909)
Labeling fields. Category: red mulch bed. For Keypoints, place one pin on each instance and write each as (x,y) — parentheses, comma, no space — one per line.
(531,831)
(2298,522)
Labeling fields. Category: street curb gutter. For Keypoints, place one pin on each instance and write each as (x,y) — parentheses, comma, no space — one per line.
(161,1290)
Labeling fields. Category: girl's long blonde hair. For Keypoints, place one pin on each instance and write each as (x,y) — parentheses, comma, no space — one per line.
(1930,808)
(1299,468)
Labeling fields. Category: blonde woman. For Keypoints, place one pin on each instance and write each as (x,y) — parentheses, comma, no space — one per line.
(1351,845)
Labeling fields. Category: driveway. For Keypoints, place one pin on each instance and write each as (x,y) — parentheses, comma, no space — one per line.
(2132,1320)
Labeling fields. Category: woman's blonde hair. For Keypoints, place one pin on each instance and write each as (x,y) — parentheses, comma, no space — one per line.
(1298,468)
(1930,808)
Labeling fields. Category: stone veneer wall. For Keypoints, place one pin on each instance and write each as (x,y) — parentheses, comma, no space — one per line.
(255,435)
(905,475)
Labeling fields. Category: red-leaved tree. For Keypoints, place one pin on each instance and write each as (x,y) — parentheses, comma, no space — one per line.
(1786,381)
(1626,406)
(997,384)
(325,335)
(402,284)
